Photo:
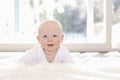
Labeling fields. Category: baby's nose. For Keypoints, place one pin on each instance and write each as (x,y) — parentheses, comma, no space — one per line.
(50,39)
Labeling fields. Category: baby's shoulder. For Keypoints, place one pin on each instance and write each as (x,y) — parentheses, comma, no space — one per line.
(34,49)
(63,49)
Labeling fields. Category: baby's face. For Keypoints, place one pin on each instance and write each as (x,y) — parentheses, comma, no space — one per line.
(50,37)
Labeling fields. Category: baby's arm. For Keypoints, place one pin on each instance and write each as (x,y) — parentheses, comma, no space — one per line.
(66,57)
(28,58)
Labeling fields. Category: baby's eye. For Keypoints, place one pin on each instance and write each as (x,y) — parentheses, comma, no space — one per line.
(54,35)
(44,36)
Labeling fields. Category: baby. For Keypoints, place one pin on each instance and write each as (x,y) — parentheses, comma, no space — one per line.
(49,49)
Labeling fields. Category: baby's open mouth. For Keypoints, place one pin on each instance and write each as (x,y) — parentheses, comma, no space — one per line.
(50,44)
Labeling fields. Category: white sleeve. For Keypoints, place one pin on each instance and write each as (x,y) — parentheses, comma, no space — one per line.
(67,58)
(28,58)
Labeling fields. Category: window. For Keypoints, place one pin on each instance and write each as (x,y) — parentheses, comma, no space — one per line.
(116,24)
(6,19)
(85,23)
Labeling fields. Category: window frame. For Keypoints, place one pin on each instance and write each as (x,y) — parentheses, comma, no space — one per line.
(81,47)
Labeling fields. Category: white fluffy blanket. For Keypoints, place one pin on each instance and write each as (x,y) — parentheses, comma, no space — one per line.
(58,72)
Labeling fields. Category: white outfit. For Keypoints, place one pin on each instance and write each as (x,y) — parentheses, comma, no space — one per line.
(36,55)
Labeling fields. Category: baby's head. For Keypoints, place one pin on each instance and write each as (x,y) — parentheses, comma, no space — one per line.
(50,23)
(50,35)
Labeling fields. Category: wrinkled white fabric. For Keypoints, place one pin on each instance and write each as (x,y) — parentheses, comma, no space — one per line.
(56,72)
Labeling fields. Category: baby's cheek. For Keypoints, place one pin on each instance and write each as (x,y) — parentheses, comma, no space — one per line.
(43,43)
(58,42)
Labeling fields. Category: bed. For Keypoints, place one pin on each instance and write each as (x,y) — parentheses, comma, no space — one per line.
(88,66)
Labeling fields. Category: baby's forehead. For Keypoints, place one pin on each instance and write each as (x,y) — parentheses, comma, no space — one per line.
(50,30)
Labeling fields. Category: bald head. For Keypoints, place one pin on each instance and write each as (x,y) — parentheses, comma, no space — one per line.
(49,25)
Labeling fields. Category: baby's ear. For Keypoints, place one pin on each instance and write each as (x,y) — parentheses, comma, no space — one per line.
(38,38)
